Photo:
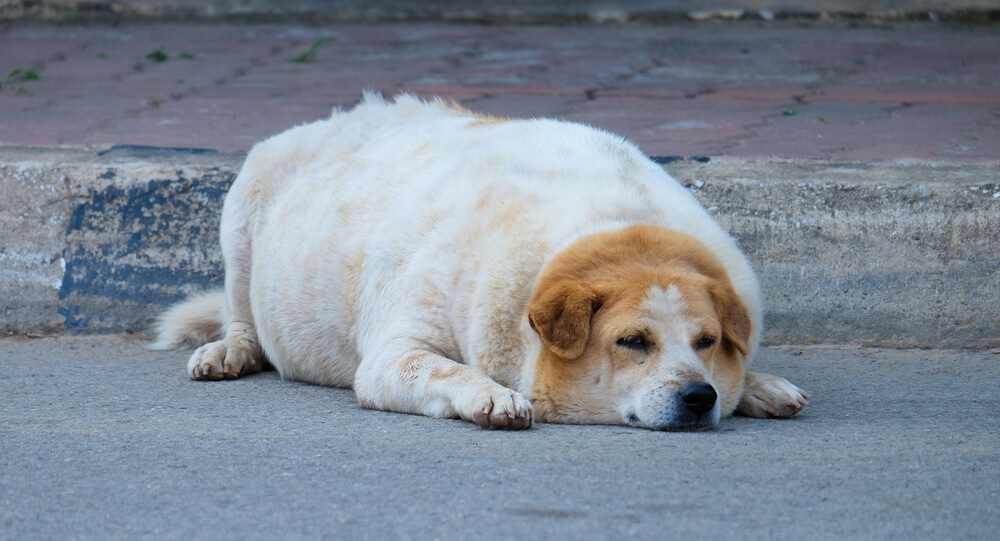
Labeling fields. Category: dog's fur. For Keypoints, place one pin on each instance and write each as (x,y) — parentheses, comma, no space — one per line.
(458,265)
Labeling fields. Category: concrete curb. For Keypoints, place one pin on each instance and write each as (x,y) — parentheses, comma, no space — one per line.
(100,241)
(889,254)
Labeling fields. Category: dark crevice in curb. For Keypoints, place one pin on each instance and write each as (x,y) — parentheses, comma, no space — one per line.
(142,151)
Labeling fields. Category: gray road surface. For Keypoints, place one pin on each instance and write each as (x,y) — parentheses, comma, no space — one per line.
(101,439)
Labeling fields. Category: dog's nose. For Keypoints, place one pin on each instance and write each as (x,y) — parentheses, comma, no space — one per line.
(698,397)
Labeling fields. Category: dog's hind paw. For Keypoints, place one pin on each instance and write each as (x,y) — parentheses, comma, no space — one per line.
(766,396)
(237,354)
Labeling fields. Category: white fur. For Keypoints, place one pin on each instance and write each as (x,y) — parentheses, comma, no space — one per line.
(379,248)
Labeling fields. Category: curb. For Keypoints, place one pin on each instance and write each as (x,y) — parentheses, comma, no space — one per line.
(100,242)
(886,254)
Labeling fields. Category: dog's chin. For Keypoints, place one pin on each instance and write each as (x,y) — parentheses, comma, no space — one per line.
(685,423)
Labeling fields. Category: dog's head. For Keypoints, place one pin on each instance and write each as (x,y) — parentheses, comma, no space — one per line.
(641,327)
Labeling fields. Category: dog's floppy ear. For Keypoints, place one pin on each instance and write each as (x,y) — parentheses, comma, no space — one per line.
(560,314)
(733,316)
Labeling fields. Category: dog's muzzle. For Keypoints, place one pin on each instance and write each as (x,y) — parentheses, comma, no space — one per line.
(694,406)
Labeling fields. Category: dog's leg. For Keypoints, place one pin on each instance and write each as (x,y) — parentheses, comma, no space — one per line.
(766,396)
(423,382)
(239,352)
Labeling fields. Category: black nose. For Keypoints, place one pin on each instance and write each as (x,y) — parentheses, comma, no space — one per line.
(698,397)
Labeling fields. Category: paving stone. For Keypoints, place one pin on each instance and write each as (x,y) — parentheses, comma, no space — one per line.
(718,90)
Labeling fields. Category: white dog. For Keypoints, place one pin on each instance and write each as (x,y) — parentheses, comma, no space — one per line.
(452,264)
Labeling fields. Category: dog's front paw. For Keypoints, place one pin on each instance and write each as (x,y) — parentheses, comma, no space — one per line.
(767,396)
(500,408)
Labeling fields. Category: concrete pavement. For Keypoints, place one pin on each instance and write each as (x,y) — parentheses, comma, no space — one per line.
(102,439)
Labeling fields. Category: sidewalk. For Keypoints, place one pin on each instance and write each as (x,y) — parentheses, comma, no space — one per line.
(857,164)
(832,92)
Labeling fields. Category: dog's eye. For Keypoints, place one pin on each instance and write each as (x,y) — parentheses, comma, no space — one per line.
(704,342)
(634,341)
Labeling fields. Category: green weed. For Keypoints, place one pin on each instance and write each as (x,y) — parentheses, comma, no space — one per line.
(25,75)
(158,55)
(310,55)
(10,76)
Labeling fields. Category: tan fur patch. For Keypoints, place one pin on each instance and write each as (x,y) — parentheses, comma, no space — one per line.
(480,119)
(439,374)
(486,120)
(410,368)
(349,288)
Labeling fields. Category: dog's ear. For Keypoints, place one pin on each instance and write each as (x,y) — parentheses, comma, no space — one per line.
(733,316)
(560,314)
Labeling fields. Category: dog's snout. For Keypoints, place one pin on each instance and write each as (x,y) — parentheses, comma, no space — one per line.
(698,397)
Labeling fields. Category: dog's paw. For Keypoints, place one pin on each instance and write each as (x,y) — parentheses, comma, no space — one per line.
(767,396)
(225,359)
(500,408)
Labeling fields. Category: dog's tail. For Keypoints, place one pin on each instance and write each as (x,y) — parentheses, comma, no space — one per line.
(198,320)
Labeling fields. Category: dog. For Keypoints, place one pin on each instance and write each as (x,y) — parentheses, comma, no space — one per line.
(501,271)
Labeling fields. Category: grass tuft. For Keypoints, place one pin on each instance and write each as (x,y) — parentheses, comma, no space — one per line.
(158,55)
(25,75)
(310,55)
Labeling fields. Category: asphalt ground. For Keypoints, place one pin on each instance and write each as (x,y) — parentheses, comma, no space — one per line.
(102,439)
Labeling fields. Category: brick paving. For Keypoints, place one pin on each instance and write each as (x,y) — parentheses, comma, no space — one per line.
(745,89)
